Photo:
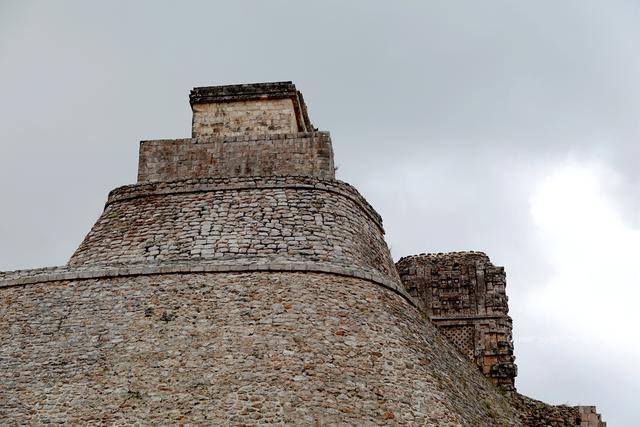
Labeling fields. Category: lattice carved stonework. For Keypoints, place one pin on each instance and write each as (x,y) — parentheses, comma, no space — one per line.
(464,295)
(463,337)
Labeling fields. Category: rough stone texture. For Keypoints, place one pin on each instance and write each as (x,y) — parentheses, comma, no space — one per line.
(244,117)
(265,108)
(232,348)
(307,154)
(240,284)
(590,418)
(285,219)
(464,295)
(238,183)
(56,274)
(535,413)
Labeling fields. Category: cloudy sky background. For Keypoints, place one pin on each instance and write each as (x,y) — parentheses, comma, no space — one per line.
(500,126)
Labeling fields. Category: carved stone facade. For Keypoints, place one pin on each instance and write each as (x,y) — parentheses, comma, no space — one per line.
(464,296)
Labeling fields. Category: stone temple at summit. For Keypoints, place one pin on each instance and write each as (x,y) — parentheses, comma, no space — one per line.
(239,283)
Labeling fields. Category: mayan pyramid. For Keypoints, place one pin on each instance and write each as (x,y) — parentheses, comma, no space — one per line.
(239,283)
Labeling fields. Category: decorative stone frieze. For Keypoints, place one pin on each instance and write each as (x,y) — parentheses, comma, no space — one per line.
(464,295)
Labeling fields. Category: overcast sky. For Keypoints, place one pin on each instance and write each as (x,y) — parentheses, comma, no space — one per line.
(468,125)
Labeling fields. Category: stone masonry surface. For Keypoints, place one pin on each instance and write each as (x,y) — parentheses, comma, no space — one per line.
(300,222)
(232,349)
(243,117)
(266,108)
(590,418)
(464,295)
(534,413)
(127,192)
(238,283)
(308,154)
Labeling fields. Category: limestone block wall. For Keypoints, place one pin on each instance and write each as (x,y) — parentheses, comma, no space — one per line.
(298,348)
(282,219)
(308,154)
(464,295)
(244,117)
(248,109)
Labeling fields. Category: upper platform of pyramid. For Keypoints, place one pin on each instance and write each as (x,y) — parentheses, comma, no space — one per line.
(259,129)
(248,109)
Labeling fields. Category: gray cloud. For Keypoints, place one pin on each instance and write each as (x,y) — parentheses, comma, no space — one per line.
(444,114)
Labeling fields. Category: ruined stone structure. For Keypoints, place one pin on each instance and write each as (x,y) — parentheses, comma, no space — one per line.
(465,297)
(239,283)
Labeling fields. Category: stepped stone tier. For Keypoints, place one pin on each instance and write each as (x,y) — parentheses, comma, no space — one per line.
(239,283)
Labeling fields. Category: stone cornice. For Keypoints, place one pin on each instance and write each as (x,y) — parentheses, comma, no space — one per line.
(65,273)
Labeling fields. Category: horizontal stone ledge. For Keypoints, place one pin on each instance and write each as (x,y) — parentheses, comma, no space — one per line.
(57,274)
(301,136)
(470,317)
(242,92)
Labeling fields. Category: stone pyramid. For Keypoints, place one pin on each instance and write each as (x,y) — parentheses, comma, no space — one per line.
(239,283)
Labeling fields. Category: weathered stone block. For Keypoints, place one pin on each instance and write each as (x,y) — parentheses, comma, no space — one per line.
(264,108)
(299,154)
